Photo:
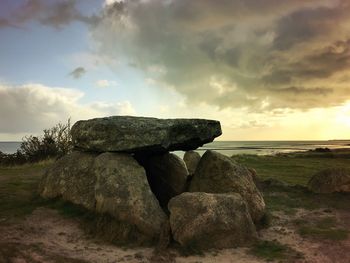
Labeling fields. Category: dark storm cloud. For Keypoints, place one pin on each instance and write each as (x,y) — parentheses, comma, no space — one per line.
(253,54)
(77,73)
(55,14)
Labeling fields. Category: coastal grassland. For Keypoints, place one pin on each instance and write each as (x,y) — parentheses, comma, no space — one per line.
(18,192)
(18,186)
(283,179)
(19,198)
(295,168)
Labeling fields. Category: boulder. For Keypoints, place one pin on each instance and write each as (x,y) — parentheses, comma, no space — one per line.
(122,191)
(217,173)
(167,175)
(72,179)
(191,159)
(203,221)
(330,180)
(111,184)
(141,134)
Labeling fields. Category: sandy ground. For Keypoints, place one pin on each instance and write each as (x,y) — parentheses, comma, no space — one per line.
(46,236)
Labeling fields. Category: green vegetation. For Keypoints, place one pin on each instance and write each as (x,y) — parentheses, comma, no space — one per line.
(18,193)
(18,186)
(55,142)
(273,250)
(296,168)
(289,199)
(18,198)
(324,228)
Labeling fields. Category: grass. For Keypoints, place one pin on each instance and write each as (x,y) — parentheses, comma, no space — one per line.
(18,186)
(324,228)
(291,198)
(295,169)
(18,198)
(273,250)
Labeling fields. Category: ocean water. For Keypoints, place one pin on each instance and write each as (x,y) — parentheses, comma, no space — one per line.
(9,147)
(240,147)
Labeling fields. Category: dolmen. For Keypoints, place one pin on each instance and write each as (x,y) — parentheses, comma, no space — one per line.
(122,169)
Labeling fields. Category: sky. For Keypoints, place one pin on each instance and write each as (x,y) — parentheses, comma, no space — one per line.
(267,70)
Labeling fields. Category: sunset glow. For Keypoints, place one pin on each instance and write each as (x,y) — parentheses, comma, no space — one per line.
(268,70)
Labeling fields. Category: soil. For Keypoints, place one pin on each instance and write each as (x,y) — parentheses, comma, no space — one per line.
(47,236)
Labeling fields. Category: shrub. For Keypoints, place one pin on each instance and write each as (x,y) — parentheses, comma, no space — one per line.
(54,143)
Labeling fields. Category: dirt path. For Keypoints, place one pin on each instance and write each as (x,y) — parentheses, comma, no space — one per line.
(46,236)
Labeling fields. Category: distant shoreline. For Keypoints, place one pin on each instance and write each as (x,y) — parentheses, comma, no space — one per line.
(230,148)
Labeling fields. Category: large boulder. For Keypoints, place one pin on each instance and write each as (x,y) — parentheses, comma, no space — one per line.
(191,158)
(330,180)
(202,221)
(167,175)
(122,191)
(111,184)
(72,179)
(217,173)
(141,134)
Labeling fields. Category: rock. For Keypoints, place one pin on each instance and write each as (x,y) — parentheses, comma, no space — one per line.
(217,173)
(330,181)
(202,221)
(72,179)
(167,175)
(191,159)
(141,134)
(253,173)
(122,191)
(111,184)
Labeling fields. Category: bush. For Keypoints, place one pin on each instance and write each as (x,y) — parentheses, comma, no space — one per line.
(54,143)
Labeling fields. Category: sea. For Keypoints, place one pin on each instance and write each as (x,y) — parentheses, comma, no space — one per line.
(230,148)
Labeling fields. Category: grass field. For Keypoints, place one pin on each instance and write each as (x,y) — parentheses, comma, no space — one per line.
(296,168)
(18,186)
(18,196)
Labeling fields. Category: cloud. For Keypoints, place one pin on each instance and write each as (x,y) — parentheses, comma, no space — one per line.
(28,109)
(259,55)
(104,83)
(5,23)
(78,72)
(51,13)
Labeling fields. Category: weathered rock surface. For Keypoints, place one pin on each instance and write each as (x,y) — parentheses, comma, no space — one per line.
(122,191)
(141,134)
(167,175)
(217,173)
(330,181)
(110,183)
(203,221)
(191,159)
(71,178)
